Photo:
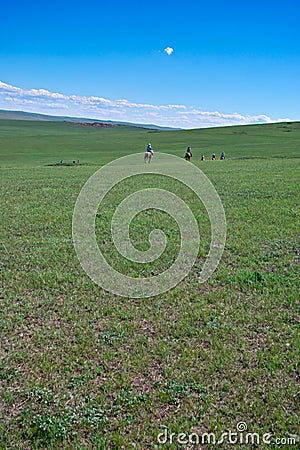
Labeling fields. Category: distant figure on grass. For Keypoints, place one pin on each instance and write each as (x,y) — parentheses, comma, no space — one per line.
(188,154)
(202,158)
(222,155)
(213,157)
(148,155)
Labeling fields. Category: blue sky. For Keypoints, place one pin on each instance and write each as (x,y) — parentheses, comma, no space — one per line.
(232,62)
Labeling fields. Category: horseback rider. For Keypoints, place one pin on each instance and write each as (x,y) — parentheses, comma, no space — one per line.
(188,153)
(148,154)
(149,149)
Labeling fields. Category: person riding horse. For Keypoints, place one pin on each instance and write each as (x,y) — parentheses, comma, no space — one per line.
(188,154)
(149,153)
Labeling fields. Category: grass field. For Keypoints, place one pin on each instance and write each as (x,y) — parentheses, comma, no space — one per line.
(81,368)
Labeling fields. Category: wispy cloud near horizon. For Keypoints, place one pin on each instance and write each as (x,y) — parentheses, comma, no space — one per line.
(173,115)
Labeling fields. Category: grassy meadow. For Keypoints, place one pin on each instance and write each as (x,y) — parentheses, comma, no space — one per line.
(81,368)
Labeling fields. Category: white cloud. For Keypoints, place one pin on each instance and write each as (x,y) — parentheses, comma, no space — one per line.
(182,116)
(169,50)
(44,93)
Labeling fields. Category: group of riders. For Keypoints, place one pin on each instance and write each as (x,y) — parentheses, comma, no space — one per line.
(188,154)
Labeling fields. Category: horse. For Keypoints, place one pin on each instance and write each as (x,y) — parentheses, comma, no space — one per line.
(148,157)
(188,156)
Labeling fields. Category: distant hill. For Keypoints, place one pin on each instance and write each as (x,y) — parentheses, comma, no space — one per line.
(23,115)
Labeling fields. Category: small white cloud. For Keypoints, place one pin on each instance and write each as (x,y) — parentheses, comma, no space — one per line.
(169,50)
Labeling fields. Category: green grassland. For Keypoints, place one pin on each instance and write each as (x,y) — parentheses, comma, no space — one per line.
(81,368)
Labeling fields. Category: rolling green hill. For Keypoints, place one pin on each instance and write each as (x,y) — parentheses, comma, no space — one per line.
(38,143)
